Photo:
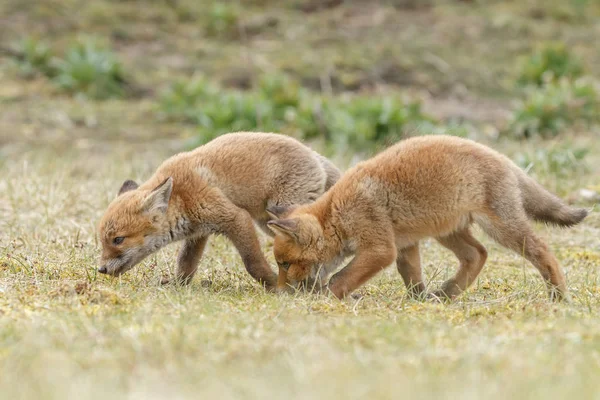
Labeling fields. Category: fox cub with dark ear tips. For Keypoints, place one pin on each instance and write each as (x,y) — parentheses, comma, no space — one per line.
(431,186)
(222,187)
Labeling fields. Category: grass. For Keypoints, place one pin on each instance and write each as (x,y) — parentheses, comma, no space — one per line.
(561,161)
(67,332)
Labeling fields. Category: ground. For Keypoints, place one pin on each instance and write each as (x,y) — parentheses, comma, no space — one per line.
(66,331)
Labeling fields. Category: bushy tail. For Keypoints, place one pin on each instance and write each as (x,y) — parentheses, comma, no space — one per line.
(333,173)
(543,206)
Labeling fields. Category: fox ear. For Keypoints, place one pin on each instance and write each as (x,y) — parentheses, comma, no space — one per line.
(158,199)
(287,227)
(277,212)
(127,186)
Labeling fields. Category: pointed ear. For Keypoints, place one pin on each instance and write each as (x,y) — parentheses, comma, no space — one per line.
(127,186)
(287,227)
(158,199)
(277,212)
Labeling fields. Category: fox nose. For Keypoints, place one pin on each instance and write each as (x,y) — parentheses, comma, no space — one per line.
(102,270)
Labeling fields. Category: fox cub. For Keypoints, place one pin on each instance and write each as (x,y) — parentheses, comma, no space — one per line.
(431,186)
(218,188)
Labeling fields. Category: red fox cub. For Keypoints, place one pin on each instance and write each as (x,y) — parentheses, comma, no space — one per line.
(431,186)
(219,188)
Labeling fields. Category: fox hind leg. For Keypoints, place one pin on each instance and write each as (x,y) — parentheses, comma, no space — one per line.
(472,256)
(516,234)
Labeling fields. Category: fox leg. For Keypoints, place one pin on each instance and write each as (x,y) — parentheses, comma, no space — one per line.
(408,263)
(189,257)
(516,234)
(364,266)
(240,230)
(472,256)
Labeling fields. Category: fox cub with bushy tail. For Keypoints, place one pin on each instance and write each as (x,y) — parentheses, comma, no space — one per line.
(221,187)
(431,186)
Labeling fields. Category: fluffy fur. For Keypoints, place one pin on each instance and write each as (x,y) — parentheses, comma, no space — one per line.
(218,188)
(431,186)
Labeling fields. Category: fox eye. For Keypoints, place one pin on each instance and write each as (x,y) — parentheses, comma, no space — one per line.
(285,265)
(118,240)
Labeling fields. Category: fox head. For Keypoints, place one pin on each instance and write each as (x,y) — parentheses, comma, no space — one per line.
(299,246)
(134,226)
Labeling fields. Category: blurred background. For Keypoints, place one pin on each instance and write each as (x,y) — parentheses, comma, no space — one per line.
(351,75)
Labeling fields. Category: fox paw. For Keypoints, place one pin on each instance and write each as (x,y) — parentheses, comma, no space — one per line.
(284,290)
(439,296)
(170,280)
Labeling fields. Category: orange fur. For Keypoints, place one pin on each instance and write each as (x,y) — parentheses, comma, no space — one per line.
(431,186)
(219,188)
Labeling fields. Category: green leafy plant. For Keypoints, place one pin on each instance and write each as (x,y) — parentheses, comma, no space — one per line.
(236,111)
(279,104)
(34,57)
(368,121)
(91,69)
(550,63)
(555,106)
(281,90)
(183,100)
(216,111)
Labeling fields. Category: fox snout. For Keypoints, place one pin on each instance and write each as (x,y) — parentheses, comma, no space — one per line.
(105,269)
(109,268)
(114,265)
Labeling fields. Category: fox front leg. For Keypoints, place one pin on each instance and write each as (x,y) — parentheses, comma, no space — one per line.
(189,258)
(363,267)
(240,230)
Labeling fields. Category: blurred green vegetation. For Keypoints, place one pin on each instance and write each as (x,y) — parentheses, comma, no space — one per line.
(33,57)
(279,104)
(557,107)
(549,64)
(87,68)
(558,95)
(90,69)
